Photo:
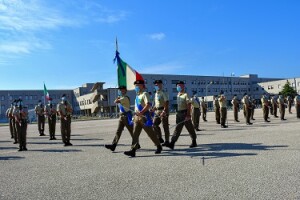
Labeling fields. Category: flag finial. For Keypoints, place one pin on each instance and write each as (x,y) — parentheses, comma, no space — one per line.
(117,47)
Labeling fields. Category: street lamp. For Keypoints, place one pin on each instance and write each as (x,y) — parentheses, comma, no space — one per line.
(206,89)
(84,106)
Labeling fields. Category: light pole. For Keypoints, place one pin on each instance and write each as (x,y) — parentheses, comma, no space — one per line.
(206,89)
(84,106)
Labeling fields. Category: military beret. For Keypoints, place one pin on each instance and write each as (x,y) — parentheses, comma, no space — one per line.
(139,82)
(64,95)
(157,81)
(122,87)
(179,82)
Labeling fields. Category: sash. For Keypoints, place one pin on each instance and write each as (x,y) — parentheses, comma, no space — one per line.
(128,114)
(149,121)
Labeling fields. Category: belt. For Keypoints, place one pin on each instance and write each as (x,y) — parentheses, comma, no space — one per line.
(196,108)
(160,108)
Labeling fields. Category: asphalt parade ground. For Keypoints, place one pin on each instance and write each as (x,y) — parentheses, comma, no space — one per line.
(261,161)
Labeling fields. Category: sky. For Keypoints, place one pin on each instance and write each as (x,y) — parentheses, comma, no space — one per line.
(65,44)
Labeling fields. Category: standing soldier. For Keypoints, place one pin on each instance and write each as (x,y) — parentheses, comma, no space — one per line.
(274,105)
(281,104)
(204,109)
(14,126)
(161,109)
(10,119)
(297,105)
(142,119)
(236,106)
(39,111)
(196,113)
(125,119)
(253,106)
(21,117)
(270,105)
(223,109)
(183,116)
(217,109)
(247,107)
(65,110)
(289,103)
(265,107)
(50,112)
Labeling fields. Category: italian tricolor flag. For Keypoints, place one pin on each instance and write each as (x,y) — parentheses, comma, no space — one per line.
(126,75)
(46,93)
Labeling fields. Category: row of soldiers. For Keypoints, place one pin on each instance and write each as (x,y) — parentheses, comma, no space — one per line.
(148,116)
(270,105)
(18,120)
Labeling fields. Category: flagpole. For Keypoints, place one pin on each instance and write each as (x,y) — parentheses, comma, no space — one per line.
(44,95)
(117,47)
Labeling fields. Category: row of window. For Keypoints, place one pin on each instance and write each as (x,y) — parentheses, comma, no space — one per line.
(28,97)
(207,82)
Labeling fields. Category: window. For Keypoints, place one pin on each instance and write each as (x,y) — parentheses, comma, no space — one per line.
(174,81)
(2,98)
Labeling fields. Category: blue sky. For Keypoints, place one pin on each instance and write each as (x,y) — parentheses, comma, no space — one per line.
(67,43)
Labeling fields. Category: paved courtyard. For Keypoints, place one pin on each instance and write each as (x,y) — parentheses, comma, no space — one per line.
(261,161)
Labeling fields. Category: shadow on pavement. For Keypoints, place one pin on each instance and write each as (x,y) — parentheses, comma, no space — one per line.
(57,150)
(11,157)
(6,148)
(6,141)
(215,150)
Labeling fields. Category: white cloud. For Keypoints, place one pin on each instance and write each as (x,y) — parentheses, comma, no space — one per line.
(25,25)
(157,36)
(18,15)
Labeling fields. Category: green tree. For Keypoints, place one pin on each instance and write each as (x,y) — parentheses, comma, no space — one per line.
(288,90)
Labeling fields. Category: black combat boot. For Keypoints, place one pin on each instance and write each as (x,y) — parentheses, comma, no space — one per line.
(158,150)
(130,153)
(194,144)
(171,145)
(161,140)
(112,147)
(165,144)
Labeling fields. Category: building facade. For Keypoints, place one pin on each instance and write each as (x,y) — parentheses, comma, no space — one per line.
(93,99)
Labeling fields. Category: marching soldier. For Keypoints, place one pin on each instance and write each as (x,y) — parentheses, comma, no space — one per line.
(204,109)
(196,113)
(65,110)
(39,111)
(274,105)
(142,119)
(217,109)
(247,107)
(161,109)
(281,104)
(125,119)
(297,105)
(10,119)
(50,112)
(265,107)
(223,110)
(236,106)
(21,117)
(183,116)
(289,103)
